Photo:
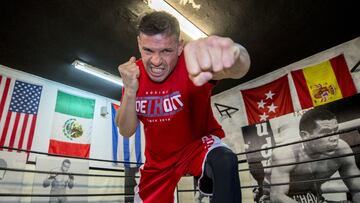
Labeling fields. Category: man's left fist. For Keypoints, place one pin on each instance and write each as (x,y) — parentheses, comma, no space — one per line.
(207,56)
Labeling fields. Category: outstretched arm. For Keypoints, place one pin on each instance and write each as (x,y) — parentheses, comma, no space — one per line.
(215,58)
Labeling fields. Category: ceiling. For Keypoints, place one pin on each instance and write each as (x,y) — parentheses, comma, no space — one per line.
(43,37)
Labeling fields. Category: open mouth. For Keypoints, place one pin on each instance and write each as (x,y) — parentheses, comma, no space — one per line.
(157,71)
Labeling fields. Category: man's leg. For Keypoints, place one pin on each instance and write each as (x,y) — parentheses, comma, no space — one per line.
(156,185)
(221,166)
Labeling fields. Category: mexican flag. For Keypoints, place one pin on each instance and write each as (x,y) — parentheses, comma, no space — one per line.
(72,125)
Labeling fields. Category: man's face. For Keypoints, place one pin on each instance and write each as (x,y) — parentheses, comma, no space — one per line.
(326,145)
(65,166)
(159,54)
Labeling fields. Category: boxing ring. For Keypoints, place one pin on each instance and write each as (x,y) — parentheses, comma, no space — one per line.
(241,161)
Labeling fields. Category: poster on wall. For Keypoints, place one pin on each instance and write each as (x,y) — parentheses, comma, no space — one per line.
(11,181)
(303,164)
(258,136)
(60,179)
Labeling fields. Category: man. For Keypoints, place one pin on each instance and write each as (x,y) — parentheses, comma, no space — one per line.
(169,91)
(59,182)
(314,123)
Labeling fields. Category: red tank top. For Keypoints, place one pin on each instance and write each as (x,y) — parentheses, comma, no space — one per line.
(175,114)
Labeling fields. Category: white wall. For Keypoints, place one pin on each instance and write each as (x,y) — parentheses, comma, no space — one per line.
(101,136)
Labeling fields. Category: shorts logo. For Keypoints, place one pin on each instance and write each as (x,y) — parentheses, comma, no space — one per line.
(305,198)
(208,141)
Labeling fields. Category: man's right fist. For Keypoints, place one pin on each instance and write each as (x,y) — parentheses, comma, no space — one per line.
(130,72)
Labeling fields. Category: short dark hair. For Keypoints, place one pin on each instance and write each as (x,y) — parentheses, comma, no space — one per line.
(66,161)
(308,120)
(159,22)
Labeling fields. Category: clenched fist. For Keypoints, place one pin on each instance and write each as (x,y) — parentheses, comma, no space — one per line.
(208,57)
(130,72)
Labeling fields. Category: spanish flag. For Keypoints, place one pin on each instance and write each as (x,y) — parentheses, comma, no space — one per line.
(324,82)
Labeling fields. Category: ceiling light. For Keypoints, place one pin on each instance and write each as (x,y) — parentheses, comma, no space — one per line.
(97,72)
(185,25)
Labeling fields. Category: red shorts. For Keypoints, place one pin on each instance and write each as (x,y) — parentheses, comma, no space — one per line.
(159,185)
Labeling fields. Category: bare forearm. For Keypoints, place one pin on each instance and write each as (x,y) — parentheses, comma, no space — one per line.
(126,117)
(239,69)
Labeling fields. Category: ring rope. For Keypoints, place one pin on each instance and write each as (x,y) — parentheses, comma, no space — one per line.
(65,173)
(300,162)
(303,181)
(63,195)
(288,183)
(297,142)
(66,156)
(129,162)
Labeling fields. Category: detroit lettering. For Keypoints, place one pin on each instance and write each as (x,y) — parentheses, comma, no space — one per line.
(159,106)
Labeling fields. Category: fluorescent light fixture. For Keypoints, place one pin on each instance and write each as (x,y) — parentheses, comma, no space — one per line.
(97,72)
(185,25)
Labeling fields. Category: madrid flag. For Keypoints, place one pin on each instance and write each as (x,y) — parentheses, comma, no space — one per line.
(324,82)
(72,124)
(268,101)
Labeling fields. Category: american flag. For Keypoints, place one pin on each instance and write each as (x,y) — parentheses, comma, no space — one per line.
(19,103)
